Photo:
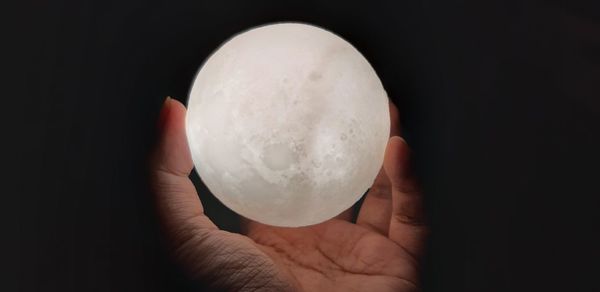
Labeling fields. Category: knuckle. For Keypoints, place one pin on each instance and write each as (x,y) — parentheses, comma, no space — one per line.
(409,219)
(408,187)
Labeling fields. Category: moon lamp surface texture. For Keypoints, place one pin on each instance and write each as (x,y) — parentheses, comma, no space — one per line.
(287,124)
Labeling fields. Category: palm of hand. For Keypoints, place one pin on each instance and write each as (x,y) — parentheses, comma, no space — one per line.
(337,256)
(378,253)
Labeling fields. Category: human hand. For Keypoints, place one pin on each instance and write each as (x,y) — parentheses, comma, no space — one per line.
(381,252)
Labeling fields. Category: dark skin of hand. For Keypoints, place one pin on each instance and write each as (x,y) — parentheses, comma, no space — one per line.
(380,252)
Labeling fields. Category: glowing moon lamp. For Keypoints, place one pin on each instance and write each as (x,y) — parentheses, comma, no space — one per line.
(287,124)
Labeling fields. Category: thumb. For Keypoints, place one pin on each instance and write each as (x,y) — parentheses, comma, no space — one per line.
(226,260)
(178,205)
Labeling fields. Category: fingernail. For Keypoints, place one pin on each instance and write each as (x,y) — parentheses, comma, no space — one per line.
(399,139)
(404,166)
(164,113)
(398,160)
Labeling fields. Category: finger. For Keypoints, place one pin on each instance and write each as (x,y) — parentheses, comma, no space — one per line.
(407,226)
(179,208)
(376,209)
(204,252)
(394,120)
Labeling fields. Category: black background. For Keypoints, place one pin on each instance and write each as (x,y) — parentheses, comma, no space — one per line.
(499,100)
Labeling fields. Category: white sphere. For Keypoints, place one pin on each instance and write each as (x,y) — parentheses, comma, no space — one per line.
(287,124)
